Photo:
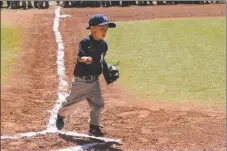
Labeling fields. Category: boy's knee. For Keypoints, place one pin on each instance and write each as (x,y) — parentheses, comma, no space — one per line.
(99,108)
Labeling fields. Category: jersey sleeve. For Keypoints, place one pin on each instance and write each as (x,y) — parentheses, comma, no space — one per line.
(82,49)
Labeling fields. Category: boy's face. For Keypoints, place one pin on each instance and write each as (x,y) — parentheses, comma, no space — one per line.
(99,32)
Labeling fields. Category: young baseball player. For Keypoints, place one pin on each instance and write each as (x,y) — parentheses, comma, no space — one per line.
(90,65)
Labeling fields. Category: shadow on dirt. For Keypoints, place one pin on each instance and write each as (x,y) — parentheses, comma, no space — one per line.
(89,144)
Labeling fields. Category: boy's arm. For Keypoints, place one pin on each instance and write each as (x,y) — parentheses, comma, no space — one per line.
(82,55)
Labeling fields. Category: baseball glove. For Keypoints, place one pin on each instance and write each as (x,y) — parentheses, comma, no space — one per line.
(112,73)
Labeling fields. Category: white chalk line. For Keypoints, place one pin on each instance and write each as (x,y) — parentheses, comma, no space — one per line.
(30,134)
(81,148)
(51,125)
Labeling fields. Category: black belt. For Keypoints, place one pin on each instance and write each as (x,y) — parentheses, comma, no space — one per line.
(89,77)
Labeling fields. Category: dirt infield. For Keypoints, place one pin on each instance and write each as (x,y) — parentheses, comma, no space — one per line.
(141,124)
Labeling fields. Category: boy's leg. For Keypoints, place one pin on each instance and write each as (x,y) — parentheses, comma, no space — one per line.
(96,103)
(95,113)
(79,92)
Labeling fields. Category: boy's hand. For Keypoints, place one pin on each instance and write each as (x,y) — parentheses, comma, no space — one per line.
(87,60)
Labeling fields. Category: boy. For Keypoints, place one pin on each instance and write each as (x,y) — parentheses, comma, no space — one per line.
(90,64)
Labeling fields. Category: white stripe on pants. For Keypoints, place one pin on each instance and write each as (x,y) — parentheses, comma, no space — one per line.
(81,90)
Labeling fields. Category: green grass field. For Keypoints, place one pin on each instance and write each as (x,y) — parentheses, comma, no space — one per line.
(10,39)
(180,60)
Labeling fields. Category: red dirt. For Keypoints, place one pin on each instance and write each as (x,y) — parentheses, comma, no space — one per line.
(141,124)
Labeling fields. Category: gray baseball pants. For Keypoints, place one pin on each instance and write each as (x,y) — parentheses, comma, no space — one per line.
(84,90)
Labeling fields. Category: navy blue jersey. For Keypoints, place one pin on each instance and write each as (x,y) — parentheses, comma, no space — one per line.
(91,48)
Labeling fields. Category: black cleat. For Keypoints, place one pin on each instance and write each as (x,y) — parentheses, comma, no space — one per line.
(60,122)
(95,131)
